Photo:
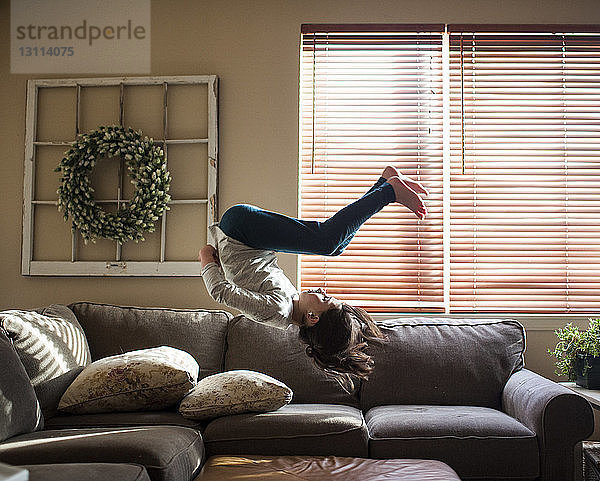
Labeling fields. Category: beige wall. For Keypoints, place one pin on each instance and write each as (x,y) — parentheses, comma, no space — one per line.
(253,47)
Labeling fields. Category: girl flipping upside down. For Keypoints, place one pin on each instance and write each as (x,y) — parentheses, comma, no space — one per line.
(241,271)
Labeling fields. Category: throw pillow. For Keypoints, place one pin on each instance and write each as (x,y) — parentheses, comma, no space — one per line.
(148,379)
(234,392)
(51,345)
(19,408)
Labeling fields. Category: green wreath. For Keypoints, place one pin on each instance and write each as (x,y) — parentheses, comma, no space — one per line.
(147,168)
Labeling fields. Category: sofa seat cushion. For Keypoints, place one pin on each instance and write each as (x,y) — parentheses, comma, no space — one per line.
(113,330)
(295,429)
(321,468)
(87,472)
(169,453)
(477,442)
(115,420)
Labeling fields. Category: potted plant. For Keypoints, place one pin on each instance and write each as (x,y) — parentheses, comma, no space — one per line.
(578,354)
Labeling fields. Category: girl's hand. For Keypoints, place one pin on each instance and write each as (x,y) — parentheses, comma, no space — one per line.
(207,255)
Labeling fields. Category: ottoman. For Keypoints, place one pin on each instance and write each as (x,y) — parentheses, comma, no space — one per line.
(287,468)
(87,472)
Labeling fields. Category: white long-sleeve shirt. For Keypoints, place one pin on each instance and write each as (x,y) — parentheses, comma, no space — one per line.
(249,280)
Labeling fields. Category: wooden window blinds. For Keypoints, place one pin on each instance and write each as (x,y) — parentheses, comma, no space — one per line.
(500,123)
(369,100)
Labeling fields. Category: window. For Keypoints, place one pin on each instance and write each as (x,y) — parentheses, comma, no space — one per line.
(369,100)
(501,123)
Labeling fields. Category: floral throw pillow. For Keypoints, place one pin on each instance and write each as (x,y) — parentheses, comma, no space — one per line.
(148,379)
(234,392)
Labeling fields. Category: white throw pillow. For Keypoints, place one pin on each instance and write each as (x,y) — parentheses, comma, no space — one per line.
(147,379)
(234,392)
(49,344)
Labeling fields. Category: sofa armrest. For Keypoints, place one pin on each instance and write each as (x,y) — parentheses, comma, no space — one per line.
(559,417)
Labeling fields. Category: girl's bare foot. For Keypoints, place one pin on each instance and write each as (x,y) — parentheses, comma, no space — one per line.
(406,196)
(391,171)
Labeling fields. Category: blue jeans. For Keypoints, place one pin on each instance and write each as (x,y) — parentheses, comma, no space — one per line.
(267,230)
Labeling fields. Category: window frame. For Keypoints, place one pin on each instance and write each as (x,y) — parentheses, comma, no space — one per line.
(115,267)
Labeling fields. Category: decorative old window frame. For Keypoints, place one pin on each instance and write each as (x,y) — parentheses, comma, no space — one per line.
(116,266)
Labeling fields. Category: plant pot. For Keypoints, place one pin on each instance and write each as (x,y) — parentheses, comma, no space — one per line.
(587,377)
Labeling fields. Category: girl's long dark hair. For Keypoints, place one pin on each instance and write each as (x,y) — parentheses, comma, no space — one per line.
(337,343)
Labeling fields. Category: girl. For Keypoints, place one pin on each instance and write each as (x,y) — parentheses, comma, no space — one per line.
(241,271)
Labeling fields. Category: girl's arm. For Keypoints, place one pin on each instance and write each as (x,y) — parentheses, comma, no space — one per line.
(258,305)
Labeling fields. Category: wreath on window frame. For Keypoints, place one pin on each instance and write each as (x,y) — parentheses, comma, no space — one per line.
(147,168)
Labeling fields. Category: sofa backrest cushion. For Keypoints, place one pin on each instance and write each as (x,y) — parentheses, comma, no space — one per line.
(114,330)
(280,354)
(444,362)
(52,347)
(19,408)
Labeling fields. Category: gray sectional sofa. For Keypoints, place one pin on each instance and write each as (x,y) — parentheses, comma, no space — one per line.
(445,389)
